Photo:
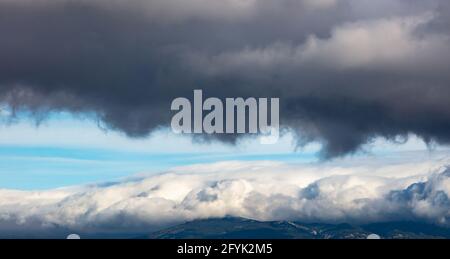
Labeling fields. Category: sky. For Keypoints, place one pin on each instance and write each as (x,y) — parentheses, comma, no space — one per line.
(86,88)
(64,150)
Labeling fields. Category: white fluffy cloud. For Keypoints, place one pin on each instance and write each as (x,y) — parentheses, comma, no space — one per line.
(345,192)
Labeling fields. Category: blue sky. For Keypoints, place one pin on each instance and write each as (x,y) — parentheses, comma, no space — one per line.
(66,150)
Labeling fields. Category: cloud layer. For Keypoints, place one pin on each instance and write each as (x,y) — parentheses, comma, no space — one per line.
(346,71)
(346,192)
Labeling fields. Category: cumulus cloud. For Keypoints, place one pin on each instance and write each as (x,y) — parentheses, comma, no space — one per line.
(381,44)
(346,71)
(374,44)
(332,193)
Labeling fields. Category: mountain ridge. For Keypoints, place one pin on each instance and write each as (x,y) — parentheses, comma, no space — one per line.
(242,228)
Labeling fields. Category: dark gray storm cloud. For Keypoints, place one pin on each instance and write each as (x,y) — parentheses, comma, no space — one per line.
(346,71)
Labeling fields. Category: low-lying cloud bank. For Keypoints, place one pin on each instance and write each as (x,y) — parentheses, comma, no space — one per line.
(331,193)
